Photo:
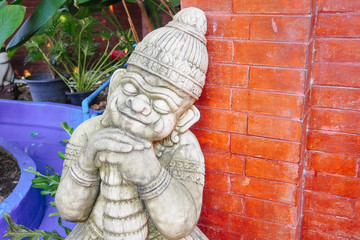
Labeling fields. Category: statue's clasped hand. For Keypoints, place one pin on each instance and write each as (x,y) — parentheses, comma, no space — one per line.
(134,156)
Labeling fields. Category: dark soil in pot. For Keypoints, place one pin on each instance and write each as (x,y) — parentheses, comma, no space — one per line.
(9,175)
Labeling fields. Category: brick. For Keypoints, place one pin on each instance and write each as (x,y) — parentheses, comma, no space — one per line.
(276,79)
(270,6)
(220,50)
(214,218)
(212,140)
(217,181)
(270,54)
(226,75)
(337,50)
(328,204)
(331,224)
(225,162)
(336,185)
(338,6)
(357,210)
(265,148)
(310,235)
(335,120)
(336,74)
(332,163)
(215,200)
(228,26)
(268,103)
(261,168)
(264,189)
(274,128)
(258,229)
(273,212)
(222,120)
(282,28)
(338,26)
(215,97)
(332,97)
(215,6)
(334,142)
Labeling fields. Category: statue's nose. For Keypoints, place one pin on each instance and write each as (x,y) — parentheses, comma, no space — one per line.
(140,104)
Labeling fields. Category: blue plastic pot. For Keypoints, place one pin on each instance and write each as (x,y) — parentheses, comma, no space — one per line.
(44,88)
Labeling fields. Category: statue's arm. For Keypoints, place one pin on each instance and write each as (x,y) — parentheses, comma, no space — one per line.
(79,187)
(174,201)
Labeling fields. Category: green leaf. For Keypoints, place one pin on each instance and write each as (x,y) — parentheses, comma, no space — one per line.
(61,155)
(175,3)
(67,128)
(39,185)
(33,134)
(18,232)
(16,2)
(45,11)
(11,17)
(11,52)
(53,214)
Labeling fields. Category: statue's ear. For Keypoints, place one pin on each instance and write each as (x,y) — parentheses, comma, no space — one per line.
(115,81)
(189,118)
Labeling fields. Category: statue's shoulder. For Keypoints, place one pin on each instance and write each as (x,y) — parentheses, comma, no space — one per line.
(85,130)
(187,161)
(188,149)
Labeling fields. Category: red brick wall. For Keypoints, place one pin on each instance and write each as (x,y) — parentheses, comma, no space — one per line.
(280,119)
(332,185)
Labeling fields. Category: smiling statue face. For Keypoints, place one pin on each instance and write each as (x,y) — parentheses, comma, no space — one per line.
(147,106)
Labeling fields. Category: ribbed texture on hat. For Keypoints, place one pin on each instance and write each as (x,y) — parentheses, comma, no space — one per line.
(179,46)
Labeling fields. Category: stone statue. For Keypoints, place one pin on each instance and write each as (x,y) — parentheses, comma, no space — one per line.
(8,89)
(136,172)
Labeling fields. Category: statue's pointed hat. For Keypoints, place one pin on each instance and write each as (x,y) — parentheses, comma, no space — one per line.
(176,52)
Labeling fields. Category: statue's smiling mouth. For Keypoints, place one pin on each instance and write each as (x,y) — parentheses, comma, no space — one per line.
(128,113)
(132,115)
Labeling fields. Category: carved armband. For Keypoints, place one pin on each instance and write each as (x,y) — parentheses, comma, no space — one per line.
(83,178)
(156,187)
(187,171)
(72,153)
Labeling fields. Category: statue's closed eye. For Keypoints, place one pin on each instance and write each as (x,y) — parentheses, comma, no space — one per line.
(130,89)
(161,106)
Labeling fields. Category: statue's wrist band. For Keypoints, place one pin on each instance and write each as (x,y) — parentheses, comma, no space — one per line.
(83,178)
(156,187)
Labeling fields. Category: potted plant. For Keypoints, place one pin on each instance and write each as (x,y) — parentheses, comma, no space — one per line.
(70,49)
(11,17)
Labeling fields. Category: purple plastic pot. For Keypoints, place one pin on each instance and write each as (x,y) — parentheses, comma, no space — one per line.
(24,204)
(34,127)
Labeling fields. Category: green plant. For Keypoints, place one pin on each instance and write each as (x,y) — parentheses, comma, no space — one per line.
(18,232)
(151,9)
(69,48)
(49,184)
(48,9)
(11,16)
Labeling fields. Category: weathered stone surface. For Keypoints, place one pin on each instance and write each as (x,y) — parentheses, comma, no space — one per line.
(6,71)
(136,172)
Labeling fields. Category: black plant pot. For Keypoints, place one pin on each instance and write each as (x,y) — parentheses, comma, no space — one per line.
(44,88)
(77,97)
